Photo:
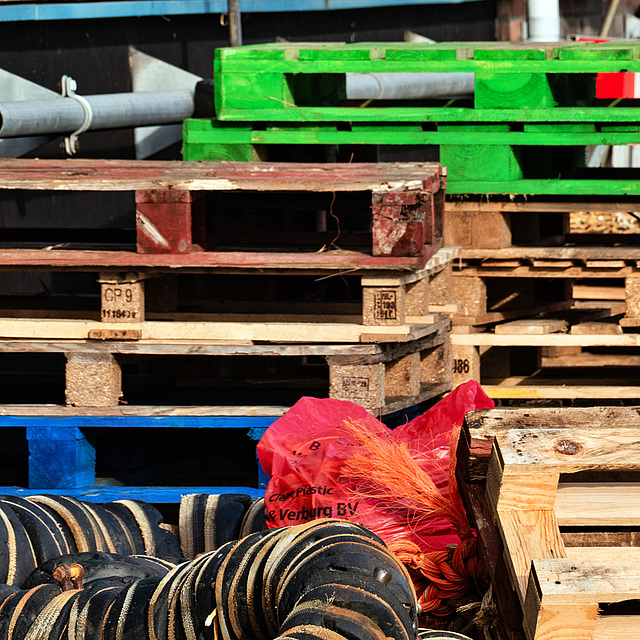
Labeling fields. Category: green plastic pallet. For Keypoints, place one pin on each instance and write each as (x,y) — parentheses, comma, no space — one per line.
(525,83)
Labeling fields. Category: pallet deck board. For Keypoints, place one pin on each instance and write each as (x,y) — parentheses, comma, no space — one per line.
(132,175)
(155,332)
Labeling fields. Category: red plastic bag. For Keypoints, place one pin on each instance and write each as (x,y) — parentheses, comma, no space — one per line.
(305,453)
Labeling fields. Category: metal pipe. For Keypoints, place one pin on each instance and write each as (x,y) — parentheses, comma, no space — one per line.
(544,20)
(407,86)
(109,111)
(235,23)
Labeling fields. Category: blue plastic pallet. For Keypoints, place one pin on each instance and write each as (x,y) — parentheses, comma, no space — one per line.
(62,459)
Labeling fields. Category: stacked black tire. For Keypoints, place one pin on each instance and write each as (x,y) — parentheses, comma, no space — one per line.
(126,578)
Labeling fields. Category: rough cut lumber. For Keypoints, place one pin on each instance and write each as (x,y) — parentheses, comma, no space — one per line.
(532,326)
(515,388)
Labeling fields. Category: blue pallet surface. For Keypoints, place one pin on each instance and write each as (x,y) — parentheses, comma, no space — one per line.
(140,8)
(61,455)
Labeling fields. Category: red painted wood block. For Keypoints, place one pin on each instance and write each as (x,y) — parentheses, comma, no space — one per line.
(402,223)
(169,221)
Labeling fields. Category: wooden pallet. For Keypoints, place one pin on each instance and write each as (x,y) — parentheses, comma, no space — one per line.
(589,264)
(561,580)
(552,358)
(383,377)
(182,213)
(544,223)
(306,81)
(68,446)
(380,298)
(596,521)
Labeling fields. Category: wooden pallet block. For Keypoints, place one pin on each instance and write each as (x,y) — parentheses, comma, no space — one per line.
(556,573)
(401,206)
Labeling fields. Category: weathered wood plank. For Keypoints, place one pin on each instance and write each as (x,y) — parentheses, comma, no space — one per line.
(351,262)
(486,422)
(130,175)
(543,451)
(515,388)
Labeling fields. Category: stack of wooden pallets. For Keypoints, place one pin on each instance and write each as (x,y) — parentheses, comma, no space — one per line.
(242,287)
(521,159)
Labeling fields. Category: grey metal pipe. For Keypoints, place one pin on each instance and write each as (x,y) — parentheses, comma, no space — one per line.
(110,111)
(407,86)
(235,24)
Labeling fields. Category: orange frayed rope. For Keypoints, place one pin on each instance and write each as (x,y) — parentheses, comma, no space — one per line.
(384,473)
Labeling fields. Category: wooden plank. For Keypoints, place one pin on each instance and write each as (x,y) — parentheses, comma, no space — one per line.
(543,451)
(490,317)
(517,389)
(591,360)
(130,175)
(532,326)
(528,535)
(487,422)
(593,504)
(352,262)
(605,254)
(595,328)
(163,331)
(127,415)
(552,264)
(616,628)
(544,618)
(528,271)
(189,347)
(569,581)
(590,292)
(555,339)
(604,555)
(532,205)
